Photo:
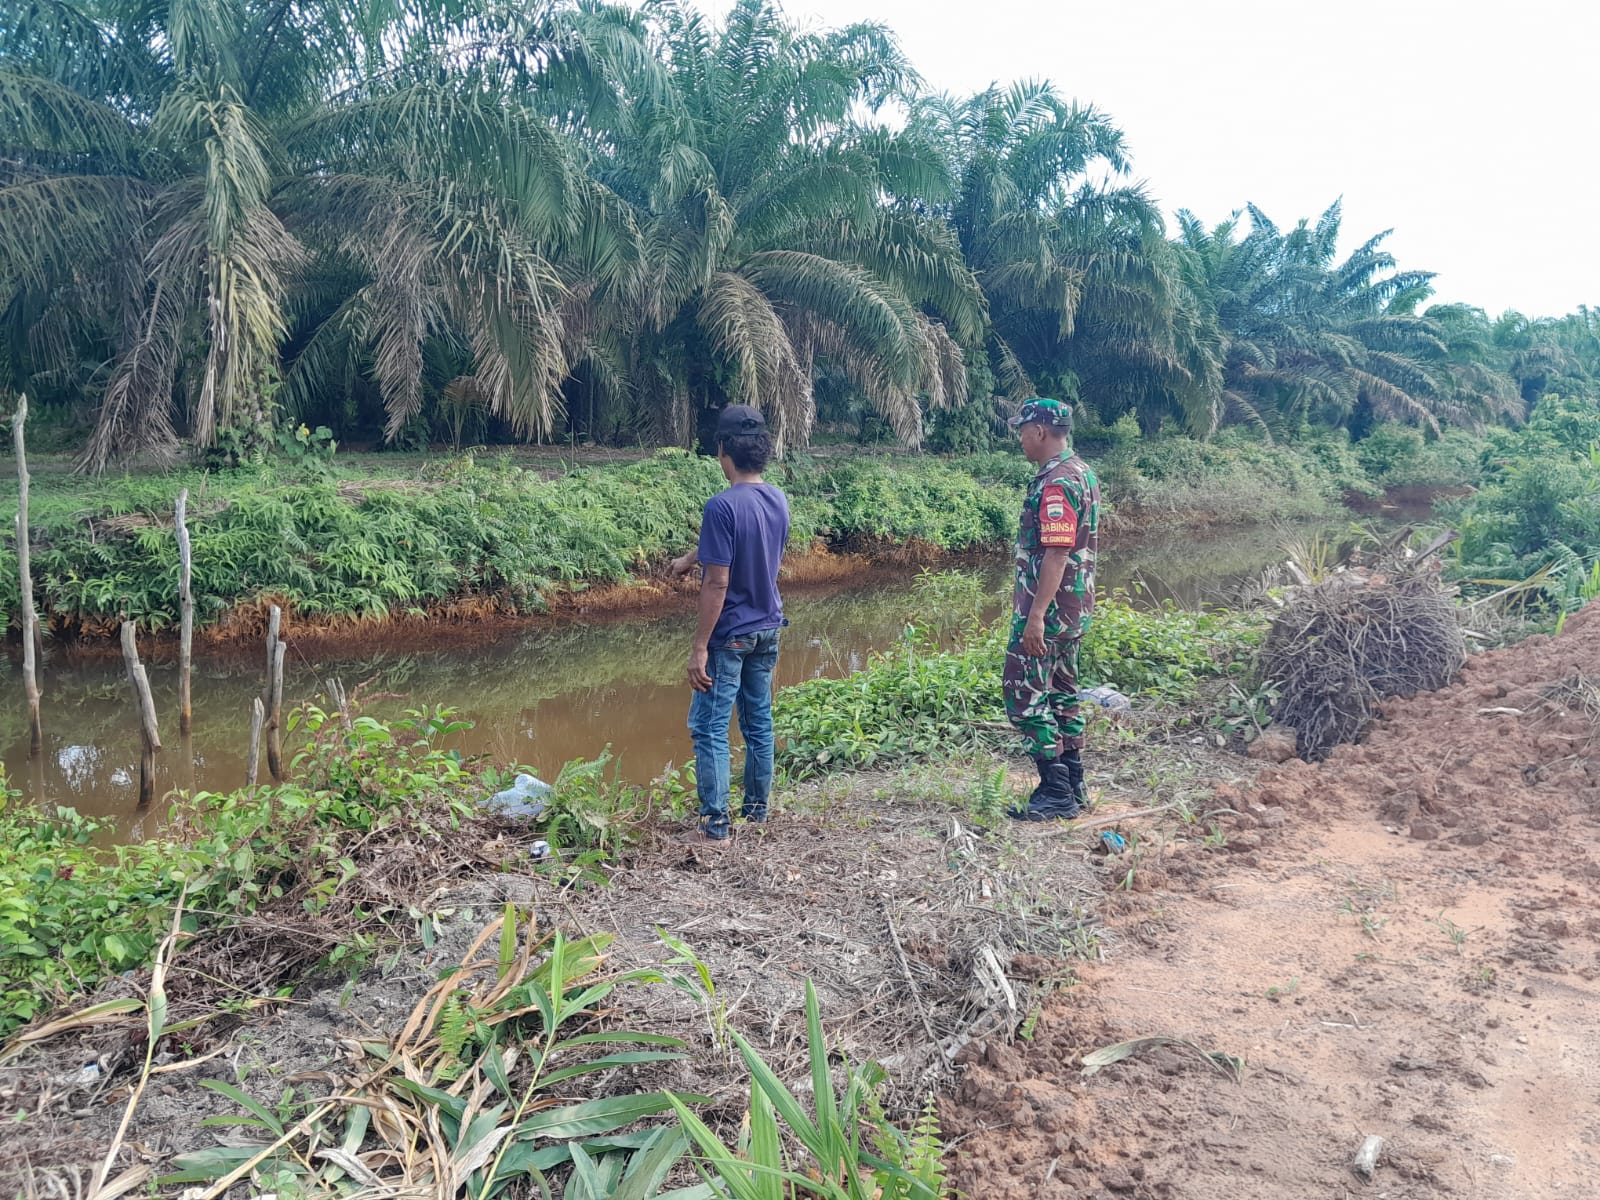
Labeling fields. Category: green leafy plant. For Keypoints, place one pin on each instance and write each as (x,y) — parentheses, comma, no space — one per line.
(477,1108)
(1530,536)
(989,800)
(920,698)
(698,985)
(837,1137)
(1247,713)
(1454,932)
(588,811)
(74,911)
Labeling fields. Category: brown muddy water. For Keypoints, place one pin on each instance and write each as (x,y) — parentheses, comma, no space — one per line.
(549,691)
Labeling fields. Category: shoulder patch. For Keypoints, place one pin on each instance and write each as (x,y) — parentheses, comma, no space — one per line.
(1058,520)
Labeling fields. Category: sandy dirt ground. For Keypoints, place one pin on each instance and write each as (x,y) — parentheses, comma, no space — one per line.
(1400,942)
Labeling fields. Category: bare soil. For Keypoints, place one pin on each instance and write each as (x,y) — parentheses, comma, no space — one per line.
(1398,942)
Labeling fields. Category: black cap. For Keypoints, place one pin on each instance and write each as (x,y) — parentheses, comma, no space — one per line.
(739,419)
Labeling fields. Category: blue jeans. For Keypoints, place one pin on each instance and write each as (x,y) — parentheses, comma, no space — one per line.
(741,672)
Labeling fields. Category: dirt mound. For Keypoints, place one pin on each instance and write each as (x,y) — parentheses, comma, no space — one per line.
(1504,750)
(1401,941)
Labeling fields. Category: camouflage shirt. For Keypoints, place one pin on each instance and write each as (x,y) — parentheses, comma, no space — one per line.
(1062,508)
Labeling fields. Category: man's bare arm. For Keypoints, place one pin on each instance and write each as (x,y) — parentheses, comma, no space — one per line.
(713,591)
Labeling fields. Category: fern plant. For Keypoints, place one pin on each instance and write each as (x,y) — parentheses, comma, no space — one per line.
(989,800)
(919,1154)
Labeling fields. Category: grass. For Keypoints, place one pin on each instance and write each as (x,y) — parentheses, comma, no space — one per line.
(1282,990)
(921,699)
(367,537)
(1456,934)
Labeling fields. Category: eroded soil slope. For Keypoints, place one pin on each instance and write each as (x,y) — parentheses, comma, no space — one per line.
(1399,942)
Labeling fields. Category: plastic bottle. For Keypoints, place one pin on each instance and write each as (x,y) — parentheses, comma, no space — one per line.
(524,798)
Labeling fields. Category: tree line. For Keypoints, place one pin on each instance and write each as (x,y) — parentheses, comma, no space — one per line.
(420,219)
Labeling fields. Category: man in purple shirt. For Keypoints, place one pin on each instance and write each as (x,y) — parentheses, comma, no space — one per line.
(742,535)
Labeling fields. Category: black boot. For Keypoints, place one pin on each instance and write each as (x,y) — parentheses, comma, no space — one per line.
(1071,762)
(1053,799)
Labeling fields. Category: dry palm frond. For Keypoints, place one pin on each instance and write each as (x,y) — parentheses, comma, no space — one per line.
(1353,640)
(135,410)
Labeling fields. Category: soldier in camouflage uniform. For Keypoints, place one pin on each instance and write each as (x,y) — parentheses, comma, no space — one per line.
(1056,547)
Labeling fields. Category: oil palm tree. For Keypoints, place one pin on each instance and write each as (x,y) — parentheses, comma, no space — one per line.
(1310,338)
(1084,296)
(182,184)
(1145,338)
(1559,354)
(1475,374)
(777,228)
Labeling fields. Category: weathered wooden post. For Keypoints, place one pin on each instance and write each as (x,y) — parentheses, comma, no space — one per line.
(252,766)
(186,615)
(30,618)
(272,697)
(274,625)
(144,704)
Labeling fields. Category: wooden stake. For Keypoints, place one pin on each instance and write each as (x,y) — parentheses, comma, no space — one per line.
(258,717)
(186,610)
(275,716)
(274,626)
(272,693)
(30,618)
(145,705)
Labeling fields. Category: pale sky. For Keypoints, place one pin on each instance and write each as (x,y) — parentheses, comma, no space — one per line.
(1472,129)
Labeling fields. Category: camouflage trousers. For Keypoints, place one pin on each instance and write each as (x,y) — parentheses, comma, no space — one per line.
(1042,693)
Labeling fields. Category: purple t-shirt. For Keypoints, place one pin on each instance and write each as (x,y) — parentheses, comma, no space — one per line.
(744,528)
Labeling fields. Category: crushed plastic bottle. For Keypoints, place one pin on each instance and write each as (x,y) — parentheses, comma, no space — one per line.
(524,798)
(1105,696)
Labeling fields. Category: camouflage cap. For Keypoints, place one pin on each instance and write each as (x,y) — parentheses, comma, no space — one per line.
(1043,411)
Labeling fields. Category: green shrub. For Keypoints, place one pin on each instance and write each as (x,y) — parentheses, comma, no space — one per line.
(74,912)
(1005,468)
(1097,439)
(1450,460)
(932,502)
(361,548)
(334,542)
(1389,449)
(918,700)
(1537,516)
(1233,478)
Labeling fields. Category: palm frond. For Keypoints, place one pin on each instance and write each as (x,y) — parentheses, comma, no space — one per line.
(871,316)
(52,228)
(41,117)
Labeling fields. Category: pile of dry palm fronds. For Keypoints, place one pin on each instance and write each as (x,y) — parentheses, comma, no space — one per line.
(1357,636)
